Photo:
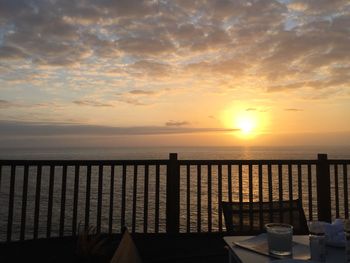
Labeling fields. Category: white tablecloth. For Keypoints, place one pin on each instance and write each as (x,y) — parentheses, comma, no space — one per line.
(243,255)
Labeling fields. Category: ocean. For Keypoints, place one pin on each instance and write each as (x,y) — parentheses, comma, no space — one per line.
(184,153)
(196,153)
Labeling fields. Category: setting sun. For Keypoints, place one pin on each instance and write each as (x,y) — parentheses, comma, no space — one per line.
(246,125)
(249,122)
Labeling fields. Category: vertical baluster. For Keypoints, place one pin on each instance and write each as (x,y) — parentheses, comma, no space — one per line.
(11,203)
(269,181)
(0,176)
(309,178)
(209,199)
(300,190)
(199,204)
(250,179)
(156,219)
(229,183)
(240,184)
(300,185)
(280,182)
(122,223)
(145,205)
(50,200)
(63,200)
(280,189)
(240,195)
(345,182)
(87,197)
(336,189)
(99,198)
(134,199)
(220,196)
(111,200)
(75,199)
(37,201)
(24,202)
(188,196)
(290,179)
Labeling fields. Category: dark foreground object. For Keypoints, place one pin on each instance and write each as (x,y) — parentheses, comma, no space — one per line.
(196,247)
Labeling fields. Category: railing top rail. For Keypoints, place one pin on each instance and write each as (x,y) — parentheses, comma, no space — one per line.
(83,162)
(166,161)
(339,161)
(245,162)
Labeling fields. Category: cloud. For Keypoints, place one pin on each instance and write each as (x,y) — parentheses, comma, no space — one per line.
(298,6)
(54,32)
(319,7)
(14,128)
(176,123)
(12,8)
(145,46)
(130,8)
(133,101)
(293,109)
(232,67)
(139,49)
(102,48)
(151,69)
(142,92)
(11,52)
(92,103)
(4,104)
(251,109)
(140,97)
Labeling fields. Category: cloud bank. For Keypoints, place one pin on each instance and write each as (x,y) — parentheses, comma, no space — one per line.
(15,128)
(288,44)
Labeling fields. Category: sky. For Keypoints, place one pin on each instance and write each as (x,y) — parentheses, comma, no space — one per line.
(180,72)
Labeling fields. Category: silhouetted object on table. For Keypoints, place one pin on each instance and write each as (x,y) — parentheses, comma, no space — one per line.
(91,246)
(126,251)
(249,218)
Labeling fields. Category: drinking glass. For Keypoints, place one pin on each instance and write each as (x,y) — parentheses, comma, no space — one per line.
(279,238)
(317,241)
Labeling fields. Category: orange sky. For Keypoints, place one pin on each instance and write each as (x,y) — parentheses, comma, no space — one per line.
(210,72)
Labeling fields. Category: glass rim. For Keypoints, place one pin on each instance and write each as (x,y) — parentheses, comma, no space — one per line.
(270,225)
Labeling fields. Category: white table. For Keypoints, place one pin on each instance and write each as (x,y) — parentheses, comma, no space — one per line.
(238,254)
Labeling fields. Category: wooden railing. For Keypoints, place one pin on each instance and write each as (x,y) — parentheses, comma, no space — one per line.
(53,198)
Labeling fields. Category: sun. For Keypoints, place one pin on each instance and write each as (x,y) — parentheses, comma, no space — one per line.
(246,123)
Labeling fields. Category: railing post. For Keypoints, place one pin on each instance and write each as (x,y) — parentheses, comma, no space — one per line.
(323,189)
(173,195)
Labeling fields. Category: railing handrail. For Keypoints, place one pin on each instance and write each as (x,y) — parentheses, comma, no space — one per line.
(73,162)
(247,162)
(84,162)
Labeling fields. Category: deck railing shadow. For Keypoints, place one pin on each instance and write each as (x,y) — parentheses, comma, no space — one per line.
(47,198)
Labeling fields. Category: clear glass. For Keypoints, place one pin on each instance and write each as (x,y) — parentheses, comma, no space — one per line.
(279,238)
(317,241)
